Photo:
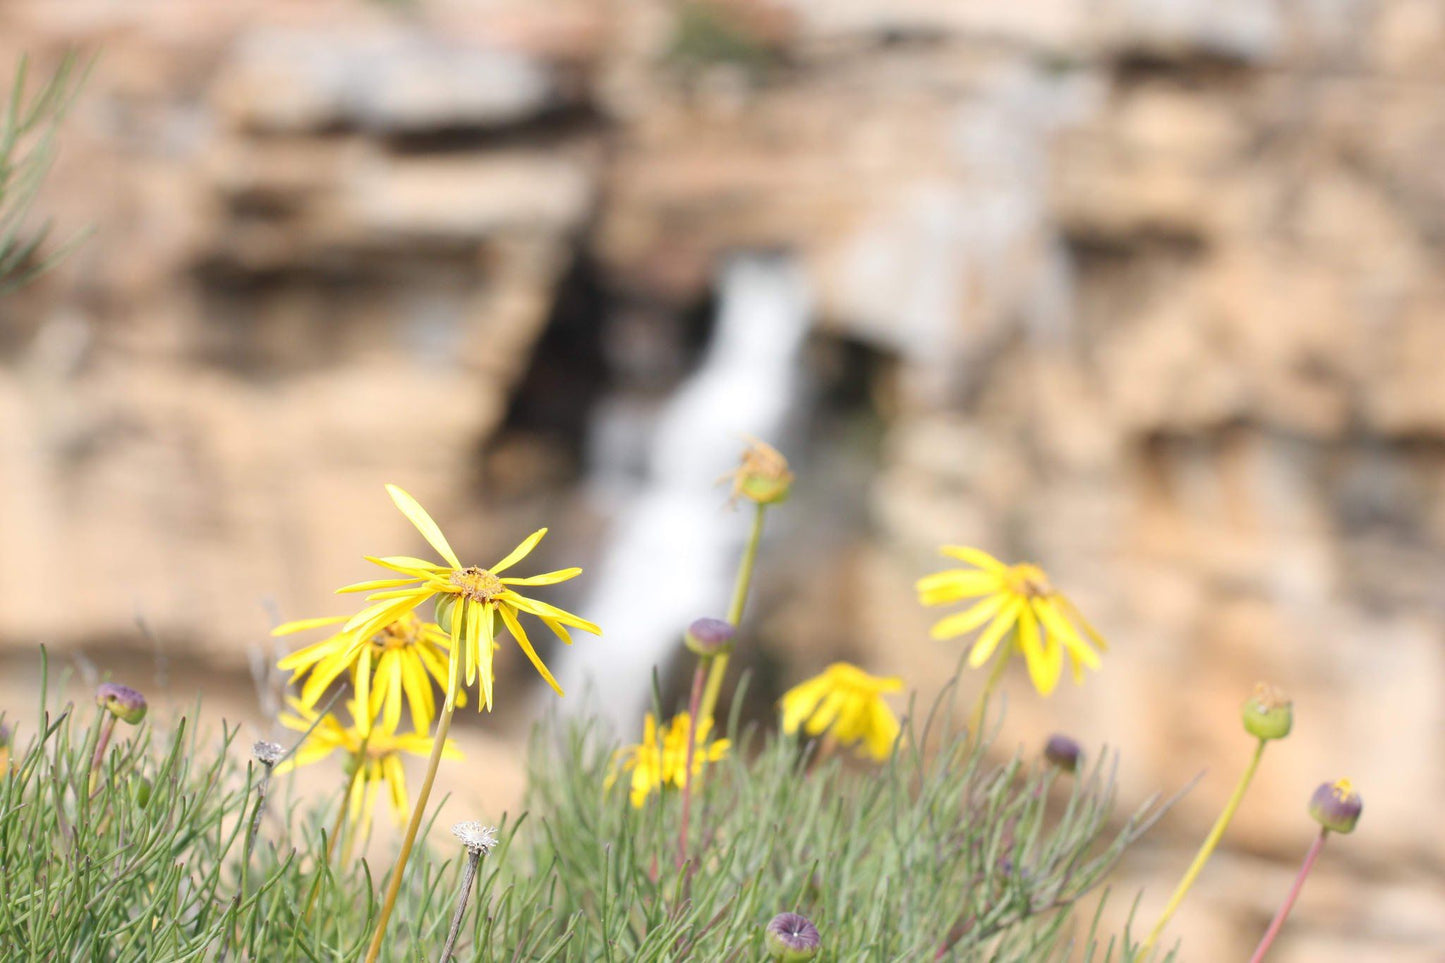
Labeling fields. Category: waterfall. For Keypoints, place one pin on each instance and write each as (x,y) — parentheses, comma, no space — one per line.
(672,551)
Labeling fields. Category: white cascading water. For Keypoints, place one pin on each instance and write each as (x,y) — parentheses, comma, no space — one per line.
(674,546)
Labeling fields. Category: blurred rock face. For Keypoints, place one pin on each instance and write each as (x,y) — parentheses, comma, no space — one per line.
(1160,282)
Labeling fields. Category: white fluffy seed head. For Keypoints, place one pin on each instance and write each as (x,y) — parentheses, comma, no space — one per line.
(478,839)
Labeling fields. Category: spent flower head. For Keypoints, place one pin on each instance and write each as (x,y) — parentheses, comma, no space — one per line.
(1017,602)
(268,753)
(660,759)
(1336,806)
(1063,752)
(121,701)
(792,938)
(710,637)
(762,476)
(478,839)
(1268,713)
(847,703)
(470,601)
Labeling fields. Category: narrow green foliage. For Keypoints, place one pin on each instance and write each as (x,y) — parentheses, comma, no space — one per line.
(29,118)
(938,854)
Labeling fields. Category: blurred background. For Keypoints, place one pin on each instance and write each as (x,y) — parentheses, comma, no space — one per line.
(1149,292)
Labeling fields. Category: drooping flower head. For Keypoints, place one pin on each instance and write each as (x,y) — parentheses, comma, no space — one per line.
(267,753)
(121,701)
(389,667)
(1063,752)
(470,600)
(660,759)
(376,751)
(847,703)
(1017,599)
(763,475)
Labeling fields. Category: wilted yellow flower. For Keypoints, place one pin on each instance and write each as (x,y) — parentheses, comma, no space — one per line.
(1014,597)
(392,669)
(763,476)
(470,600)
(660,759)
(377,753)
(847,703)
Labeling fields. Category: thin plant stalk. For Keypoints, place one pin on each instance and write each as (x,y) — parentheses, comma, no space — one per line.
(719,666)
(1299,881)
(692,729)
(468,875)
(1000,662)
(1207,849)
(444,724)
(336,826)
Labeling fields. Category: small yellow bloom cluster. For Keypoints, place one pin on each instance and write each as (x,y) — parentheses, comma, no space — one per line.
(660,759)
(846,703)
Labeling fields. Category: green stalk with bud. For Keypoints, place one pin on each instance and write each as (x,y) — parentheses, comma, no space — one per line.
(1267,715)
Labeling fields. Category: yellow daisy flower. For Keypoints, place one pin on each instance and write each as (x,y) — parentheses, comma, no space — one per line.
(471,600)
(393,669)
(660,759)
(377,752)
(1044,622)
(847,703)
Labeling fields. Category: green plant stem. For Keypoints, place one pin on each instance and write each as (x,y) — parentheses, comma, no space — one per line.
(719,666)
(1299,881)
(1200,858)
(444,725)
(995,675)
(692,730)
(336,826)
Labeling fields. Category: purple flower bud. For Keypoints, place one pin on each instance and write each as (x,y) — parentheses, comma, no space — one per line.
(1063,752)
(121,701)
(710,637)
(792,938)
(1336,806)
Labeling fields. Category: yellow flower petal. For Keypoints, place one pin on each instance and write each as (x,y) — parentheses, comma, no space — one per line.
(518,553)
(424,524)
(975,556)
(991,636)
(969,619)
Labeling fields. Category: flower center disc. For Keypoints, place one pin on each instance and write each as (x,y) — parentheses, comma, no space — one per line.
(1029,580)
(478,584)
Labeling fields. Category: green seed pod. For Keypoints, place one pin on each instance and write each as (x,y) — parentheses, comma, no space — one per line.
(792,938)
(121,701)
(1268,714)
(1336,806)
(709,637)
(141,792)
(443,611)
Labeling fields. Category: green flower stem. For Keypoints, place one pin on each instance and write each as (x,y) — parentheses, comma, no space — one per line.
(735,610)
(439,742)
(1299,881)
(1000,662)
(1210,842)
(692,730)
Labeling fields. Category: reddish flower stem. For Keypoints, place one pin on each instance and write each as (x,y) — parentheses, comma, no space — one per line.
(1299,881)
(698,677)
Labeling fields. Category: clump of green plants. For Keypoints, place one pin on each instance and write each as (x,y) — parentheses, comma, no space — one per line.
(845,832)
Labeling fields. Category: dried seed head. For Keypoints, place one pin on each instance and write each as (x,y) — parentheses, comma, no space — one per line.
(792,938)
(710,637)
(121,701)
(1063,752)
(1268,714)
(1336,806)
(267,753)
(763,475)
(478,839)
